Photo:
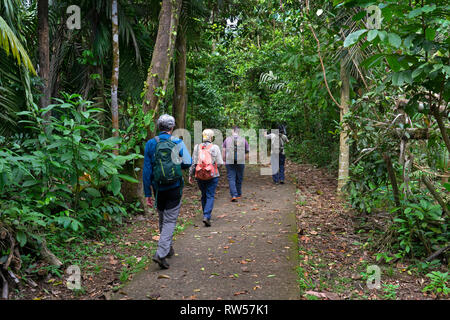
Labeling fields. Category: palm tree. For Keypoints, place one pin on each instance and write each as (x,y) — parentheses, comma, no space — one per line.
(115,68)
(11,44)
(15,65)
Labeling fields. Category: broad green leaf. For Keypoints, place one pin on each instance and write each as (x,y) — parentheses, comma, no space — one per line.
(372,34)
(430,33)
(394,40)
(353,37)
(425,9)
(115,185)
(93,192)
(111,142)
(128,178)
(393,63)
(383,35)
(372,61)
(21,238)
(447,186)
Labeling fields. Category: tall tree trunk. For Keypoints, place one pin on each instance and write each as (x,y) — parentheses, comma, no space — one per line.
(180,90)
(158,74)
(44,52)
(115,69)
(344,150)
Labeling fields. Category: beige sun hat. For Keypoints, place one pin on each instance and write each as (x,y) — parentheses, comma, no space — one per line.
(207,135)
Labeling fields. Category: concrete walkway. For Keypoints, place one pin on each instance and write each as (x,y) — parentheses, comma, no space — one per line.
(249,252)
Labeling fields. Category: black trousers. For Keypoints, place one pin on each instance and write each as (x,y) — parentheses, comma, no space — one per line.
(168,199)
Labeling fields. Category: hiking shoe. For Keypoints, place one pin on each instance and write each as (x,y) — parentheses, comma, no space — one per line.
(161,262)
(281,182)
(234,199)
(171,252)
(207,222)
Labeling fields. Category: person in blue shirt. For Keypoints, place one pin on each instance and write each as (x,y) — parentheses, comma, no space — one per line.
(168,197)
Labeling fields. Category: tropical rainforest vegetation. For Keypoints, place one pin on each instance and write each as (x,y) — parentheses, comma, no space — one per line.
(363,87)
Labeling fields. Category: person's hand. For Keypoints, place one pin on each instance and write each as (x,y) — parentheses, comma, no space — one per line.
(149,201)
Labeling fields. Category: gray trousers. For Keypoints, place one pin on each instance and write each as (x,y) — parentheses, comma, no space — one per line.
(167,223)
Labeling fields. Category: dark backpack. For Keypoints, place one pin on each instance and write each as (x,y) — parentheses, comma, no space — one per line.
(166,171)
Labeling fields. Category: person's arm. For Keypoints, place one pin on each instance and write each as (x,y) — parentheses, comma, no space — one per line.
(219,159)
(194,163)
(247,148)
(147,174)
(224,150)
(186,160)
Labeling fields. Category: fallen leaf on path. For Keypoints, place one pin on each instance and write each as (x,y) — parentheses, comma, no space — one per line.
(240,292)
(153,296)
(196,290)
(156,238)
(163,276)
(112,260)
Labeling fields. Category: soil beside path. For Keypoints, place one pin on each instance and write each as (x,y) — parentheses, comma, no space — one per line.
(249,252)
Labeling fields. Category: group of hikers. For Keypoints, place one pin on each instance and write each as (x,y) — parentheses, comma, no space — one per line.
(166,156)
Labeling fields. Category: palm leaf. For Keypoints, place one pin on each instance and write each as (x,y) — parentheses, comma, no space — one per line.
(10,43)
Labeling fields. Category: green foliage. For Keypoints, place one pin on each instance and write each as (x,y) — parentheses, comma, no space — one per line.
(419,227)
(63,178)
(438,283)
(389,291)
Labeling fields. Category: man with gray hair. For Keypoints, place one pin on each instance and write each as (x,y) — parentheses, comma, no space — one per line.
(164,157)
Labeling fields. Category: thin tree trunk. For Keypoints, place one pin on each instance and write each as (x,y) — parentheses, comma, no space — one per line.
(180,91)
(344,149)
(435,194)
(115,69)
(392,178)
(158,74)
(441,125)
(44,53)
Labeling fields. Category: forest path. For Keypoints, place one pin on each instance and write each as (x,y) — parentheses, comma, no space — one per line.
(249,252)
